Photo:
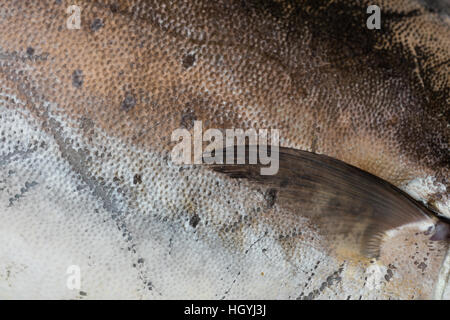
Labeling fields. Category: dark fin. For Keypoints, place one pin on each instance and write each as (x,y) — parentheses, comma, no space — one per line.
(342,200)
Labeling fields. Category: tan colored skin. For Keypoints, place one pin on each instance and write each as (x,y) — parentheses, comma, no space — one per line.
(376,99)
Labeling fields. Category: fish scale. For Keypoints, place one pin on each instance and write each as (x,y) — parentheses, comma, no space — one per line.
(87,110)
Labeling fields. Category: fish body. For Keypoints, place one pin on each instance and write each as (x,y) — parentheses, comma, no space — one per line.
(86,115)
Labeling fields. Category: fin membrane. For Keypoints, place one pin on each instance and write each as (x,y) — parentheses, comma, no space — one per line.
(345,202)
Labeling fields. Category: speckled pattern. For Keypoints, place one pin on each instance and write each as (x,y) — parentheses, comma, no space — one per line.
(86,118)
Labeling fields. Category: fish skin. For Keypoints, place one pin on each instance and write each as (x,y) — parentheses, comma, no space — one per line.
(97,106)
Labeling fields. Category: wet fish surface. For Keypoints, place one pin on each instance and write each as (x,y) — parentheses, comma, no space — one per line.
(86,117)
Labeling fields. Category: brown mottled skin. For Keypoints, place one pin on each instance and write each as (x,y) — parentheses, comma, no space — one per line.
(377,99)
(137,70)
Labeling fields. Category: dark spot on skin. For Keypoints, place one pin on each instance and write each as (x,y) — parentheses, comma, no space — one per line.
(188,60)
(335,278)
(24,190)
(82,293)
(187,119)
(388,275)
(422,266)
(77,78)
(137,179)
(314,144)
(429,231)
(129,102)
(86,124)
(96,24)
(30,51)
(194,221)
(271,197)
(114,7)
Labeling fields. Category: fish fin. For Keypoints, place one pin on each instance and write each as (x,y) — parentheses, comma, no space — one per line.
(371,242)
(341,199)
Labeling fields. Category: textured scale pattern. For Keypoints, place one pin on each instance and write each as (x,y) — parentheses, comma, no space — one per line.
(86,118)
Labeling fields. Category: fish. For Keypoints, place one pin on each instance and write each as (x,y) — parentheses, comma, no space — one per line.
(92,206)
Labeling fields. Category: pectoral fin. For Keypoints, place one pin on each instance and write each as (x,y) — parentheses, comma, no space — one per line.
(345,202)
